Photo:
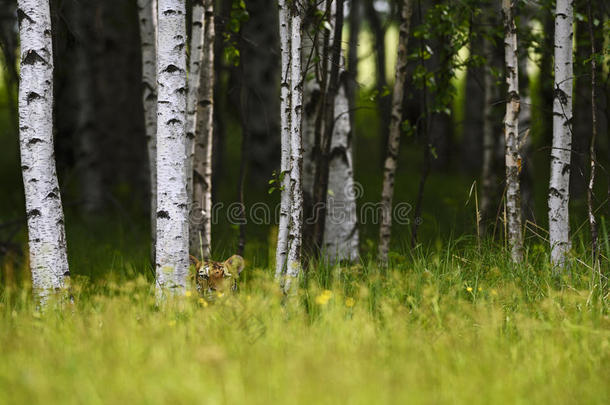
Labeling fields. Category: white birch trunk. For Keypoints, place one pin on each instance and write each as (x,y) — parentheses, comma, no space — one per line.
(559,191)
(201,211)
(391,161)
(45,218)
(147,13)
(341,236)
(296,153)
(284,220)
(511,134)
(194,78)
(172,214)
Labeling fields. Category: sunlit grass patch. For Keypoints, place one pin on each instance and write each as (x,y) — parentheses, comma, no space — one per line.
(459,326)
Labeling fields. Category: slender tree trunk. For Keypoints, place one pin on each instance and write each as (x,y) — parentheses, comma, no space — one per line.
(45,218)
(201,214)
(487,174)
(355,14)
(285,88)
(383,101)
(259,63)
(511,133)
(391,161)
(592,154)
(86,139)
(293,268)
(472,128)
(147,10)
(328,160)
(559,191)
(194,77)
(328,114)
(172,211)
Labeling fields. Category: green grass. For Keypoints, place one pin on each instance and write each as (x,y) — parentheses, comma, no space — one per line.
(454,324)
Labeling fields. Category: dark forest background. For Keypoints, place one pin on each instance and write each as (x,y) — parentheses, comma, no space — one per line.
(97,48)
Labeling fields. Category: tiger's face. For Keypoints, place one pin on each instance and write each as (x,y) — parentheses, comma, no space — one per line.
(218,276)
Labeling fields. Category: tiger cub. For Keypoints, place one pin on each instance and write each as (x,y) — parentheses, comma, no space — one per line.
(218,276)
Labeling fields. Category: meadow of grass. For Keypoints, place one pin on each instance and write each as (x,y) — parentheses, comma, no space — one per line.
(455,324)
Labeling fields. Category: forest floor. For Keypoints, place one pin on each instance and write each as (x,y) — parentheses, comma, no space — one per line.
(453,324)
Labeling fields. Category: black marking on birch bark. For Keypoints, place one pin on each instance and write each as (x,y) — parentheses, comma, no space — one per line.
(32,95)
(181,90)
(24,167)
(21,15)
(181,206)
(33,57)
(170,12)
(34,213)
(555,193)
(52,195)
(163,214)
(172,68)
(180,46)
(204,103)
(562,96)
(197,24)
(67,273)
(34,141)
(173,121)
(566,169)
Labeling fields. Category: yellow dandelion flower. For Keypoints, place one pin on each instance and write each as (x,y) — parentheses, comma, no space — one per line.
(469,289)
(172,323)
(188,293)
(219,294)
(350,302)
(323,298)
(480,288)
(494,292)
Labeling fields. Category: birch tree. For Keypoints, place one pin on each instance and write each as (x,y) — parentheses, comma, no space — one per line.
(391,160)
(172,213)
(45,218)
(296,153)
(559,191)
(288,254)
(194,78)
(511,133)
(285,81)
(147,12)
(201,217)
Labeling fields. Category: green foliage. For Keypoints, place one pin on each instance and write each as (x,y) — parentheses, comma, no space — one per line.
(238,16)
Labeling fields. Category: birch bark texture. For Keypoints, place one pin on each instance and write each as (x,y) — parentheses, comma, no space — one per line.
(172,214)
(391,160)
(45,218)
(293,268)
(285,200)
(147,14)
(194,78)
(559,190)
(201,208)
(511,133)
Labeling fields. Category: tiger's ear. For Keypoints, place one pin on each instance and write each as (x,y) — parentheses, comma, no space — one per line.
(234,264)
(195,261)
